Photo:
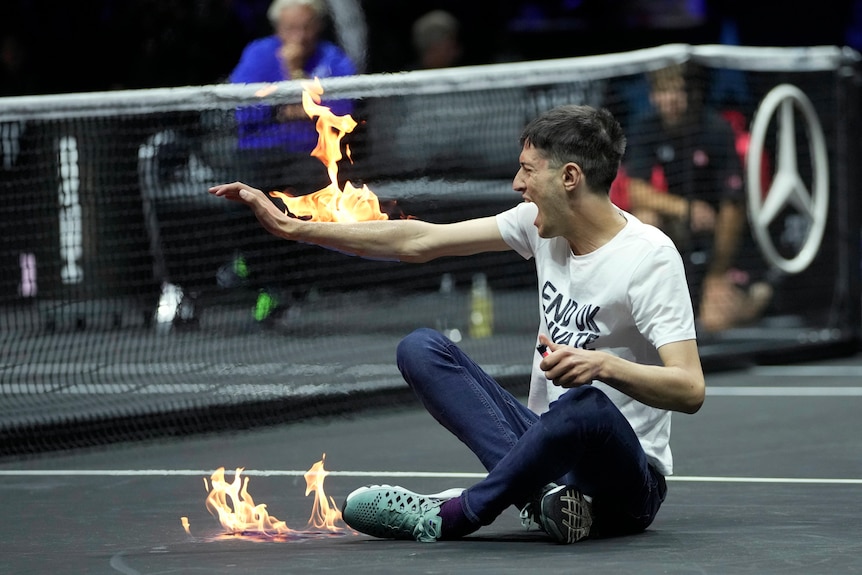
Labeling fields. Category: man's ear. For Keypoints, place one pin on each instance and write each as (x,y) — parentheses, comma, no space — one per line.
(572,176)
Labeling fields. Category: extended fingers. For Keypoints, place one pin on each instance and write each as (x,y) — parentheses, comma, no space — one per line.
(234,191)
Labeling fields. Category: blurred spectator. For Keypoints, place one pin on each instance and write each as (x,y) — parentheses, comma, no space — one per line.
(275,142)
(685,177)
(436,40)
(391,48)
(296,50)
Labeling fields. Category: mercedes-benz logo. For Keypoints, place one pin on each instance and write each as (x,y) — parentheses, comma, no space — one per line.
(787,187)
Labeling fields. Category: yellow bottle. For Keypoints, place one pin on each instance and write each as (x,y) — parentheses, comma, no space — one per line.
(481,308)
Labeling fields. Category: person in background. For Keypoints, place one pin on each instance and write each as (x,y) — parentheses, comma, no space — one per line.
(684,175)
(274,143)
(436,40)
(296,50)
(588,454)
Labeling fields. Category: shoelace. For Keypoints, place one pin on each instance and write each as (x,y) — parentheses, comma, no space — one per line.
(426,529)
(527,521)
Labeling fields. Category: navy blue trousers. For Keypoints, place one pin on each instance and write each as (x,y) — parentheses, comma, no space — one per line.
(583,440)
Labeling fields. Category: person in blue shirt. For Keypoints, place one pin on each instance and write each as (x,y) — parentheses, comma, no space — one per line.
(296,50)
(274,143)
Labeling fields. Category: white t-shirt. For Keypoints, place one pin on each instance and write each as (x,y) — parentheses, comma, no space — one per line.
(627,298)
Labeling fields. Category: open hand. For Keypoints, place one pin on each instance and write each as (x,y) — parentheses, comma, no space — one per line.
(268,214)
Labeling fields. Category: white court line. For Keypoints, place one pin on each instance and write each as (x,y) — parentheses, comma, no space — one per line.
(783,391)
(396,474)
(807,370)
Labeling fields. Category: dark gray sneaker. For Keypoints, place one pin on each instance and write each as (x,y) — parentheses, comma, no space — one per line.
(562,512)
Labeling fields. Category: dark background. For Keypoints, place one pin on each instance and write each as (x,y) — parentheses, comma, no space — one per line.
(56,46)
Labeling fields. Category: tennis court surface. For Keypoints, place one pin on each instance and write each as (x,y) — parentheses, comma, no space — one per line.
(768,479)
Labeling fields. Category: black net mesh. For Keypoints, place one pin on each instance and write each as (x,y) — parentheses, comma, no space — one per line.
(133,304)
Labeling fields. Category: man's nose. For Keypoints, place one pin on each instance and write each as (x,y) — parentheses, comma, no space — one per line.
(518,182)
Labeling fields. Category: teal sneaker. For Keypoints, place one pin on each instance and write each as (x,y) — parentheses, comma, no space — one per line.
(392,512)
(562,512)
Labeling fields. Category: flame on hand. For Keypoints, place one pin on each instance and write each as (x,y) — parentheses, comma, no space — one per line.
(331,204)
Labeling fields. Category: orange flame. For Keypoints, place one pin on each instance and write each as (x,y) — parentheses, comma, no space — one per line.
(239,515)
(331,204)
(324,513)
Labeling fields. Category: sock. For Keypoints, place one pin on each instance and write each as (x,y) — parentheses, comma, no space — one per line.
(455,523)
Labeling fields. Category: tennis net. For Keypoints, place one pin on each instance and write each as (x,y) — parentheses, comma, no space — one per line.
(133,304)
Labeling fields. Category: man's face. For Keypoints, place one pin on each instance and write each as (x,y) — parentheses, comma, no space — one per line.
(671,101)
(299,26)
(540,183)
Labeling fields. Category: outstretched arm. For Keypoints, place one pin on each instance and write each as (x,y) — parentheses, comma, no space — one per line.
(403,240)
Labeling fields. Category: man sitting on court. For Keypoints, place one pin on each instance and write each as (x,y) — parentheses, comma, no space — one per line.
(588,455)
